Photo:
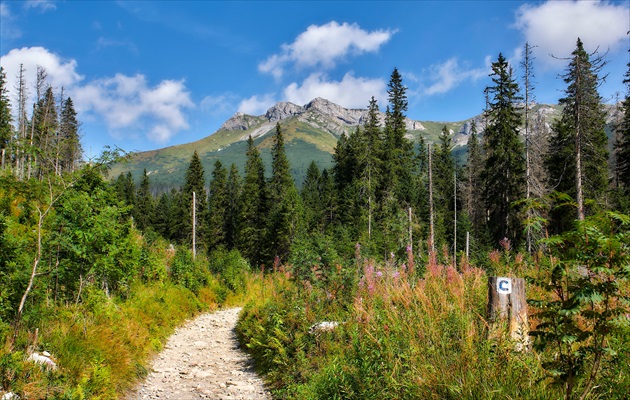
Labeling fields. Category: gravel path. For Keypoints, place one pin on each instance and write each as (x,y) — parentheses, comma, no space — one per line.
(202,360)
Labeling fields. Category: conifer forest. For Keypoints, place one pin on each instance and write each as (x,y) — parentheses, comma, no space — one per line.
(394,243)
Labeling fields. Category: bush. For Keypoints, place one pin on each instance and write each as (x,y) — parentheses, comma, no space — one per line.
(231,268)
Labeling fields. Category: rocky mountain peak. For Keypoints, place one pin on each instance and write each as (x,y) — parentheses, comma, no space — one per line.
(283,110)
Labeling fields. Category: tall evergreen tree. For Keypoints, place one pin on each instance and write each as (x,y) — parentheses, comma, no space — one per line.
(160,220)
(234,192)
(398,150)
(144,207)
(194,182)
(622,145)
(504,169)
(311,198)
(474,194)
(6,130)
(44,136)
(578,156)
(253,210)
(284,203)
(369,163)
(217,207)
(443,189)
(69,149)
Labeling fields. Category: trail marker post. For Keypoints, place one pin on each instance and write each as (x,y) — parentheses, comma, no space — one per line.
(507,311)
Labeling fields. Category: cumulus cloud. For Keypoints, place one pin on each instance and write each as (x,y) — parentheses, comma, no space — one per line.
(257,105)
(61,72)
(452,73)
(123,102)
(129,102)
(325,45)
(554,26)
(350,92)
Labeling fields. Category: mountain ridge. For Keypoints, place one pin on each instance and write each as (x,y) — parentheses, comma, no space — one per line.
(311,133)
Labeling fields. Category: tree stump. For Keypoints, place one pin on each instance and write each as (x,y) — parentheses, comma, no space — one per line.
(507,311)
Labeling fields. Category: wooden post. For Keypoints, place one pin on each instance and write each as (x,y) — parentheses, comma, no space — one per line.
(507,311)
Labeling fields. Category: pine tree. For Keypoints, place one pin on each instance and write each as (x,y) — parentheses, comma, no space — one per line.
(474,194)
(234,192)
(194,182)
(253,208)
(443,189)
(6,130)
(217,207)
(144,208)
(284,203)
(622,145)
(161,220)
(311,198)
(578,154)
(504,169)
(369,163)
(398,150)
(69,149)
(44,136)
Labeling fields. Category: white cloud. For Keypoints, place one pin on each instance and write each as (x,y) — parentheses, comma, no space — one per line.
(554,27)
(350,92)
(123,102)
(61,72)
(325,45)
(128,102)
(450,74)
(41,5)
(257,105)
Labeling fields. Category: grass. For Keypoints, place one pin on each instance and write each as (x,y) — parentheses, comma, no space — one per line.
(102,345)
(401,336)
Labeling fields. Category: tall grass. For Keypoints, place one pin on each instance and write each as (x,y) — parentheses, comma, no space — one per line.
(101,346)
(401,336)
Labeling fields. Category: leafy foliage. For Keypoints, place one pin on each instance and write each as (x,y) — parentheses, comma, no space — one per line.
(586,273)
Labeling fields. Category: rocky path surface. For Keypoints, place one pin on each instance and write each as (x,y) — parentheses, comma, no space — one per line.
(202,360)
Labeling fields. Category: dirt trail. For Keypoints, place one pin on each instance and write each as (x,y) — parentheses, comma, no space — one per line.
(202,361)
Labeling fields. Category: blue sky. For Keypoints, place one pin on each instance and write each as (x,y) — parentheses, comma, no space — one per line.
(146,75)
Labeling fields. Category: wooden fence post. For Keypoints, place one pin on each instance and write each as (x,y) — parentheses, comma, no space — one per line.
(507,311)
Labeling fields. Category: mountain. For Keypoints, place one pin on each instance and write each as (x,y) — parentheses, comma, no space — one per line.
(311,133)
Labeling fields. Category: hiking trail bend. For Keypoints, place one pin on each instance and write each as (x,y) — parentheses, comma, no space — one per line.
(202,360)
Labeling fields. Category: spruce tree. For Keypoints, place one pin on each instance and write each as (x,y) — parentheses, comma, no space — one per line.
(622,145)
(369,163)
(161,220)
(253,209)
(311,198)
(194,182)
(474,194)
(44,134)
(234,192)
(398,150)
(284,203)
(69,149)
(443,189)
(578,153)
(144,206)
(217,207)
(504,169)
